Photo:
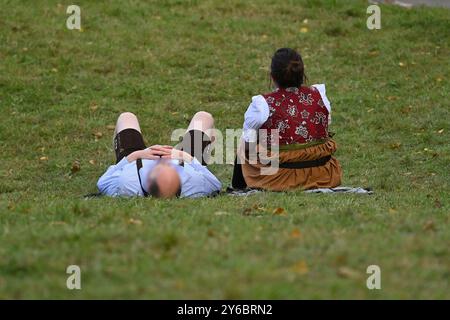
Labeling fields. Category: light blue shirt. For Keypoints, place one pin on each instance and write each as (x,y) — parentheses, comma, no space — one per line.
(121,179)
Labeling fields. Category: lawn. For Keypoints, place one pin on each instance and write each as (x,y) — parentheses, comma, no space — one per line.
(61,91)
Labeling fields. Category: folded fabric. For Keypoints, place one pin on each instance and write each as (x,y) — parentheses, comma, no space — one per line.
(241,192)
(341,190)
(250,191)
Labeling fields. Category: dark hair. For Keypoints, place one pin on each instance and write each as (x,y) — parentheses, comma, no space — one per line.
(287,68)
(154,189)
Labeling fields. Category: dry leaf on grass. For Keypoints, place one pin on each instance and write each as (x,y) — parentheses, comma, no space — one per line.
(346,272)
(97,135)
(255,210)
(395,145)
(221,213)
(296,234)
(279,212)
(429,226)
(258,207)
(406,110)
(76,166)
(300,267)
(135,221)
(93,106)
(437,204)
(57,223)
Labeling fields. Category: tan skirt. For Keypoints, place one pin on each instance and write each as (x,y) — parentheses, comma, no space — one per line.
(326,176)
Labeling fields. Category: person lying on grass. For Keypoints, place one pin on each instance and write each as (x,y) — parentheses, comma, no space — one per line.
(160,170)
(299,116)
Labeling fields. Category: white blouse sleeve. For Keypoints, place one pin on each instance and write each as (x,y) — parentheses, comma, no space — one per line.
(255,116)
(326,102)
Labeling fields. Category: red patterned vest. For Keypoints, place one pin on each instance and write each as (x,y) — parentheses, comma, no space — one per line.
(298,114)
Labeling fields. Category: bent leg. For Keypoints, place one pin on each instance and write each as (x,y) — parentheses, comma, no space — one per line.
(127,120)
(203,121)
(199,136)
(127,136)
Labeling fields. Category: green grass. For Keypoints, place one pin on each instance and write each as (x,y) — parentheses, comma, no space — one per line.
(165,60)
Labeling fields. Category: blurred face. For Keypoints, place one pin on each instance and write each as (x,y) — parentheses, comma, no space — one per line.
(164,180)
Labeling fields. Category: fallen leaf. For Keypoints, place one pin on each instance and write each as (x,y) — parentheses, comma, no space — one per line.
(374,53)
(437,204)
(401,64)
(92,162)
(54,70)
(392,211)
(395,145)
(221,213)
(392,98)
(258,207)
(98,135)
(135,221)
(296,234)
(93,106)
(300,267)
(406,110)
(57,223)
(305,21)
(347,272)
(304,30)
(440,131)
(76,166)
(111,127)
(279,212)
(429,226)
(210,233)
(43,158)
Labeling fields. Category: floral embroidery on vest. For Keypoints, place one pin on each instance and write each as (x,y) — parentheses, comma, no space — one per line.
(301,131)
(298,114)
(292,110)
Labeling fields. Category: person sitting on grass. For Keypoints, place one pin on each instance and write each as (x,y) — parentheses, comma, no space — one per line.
(295,119)
(160,171)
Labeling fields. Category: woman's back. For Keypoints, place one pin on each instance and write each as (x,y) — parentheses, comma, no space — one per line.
(298,114)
